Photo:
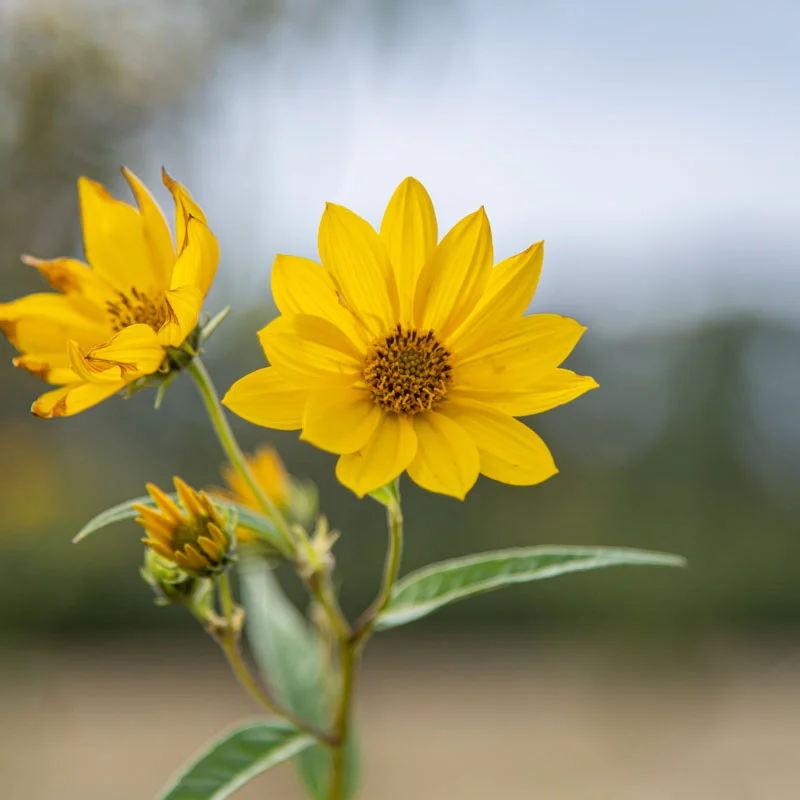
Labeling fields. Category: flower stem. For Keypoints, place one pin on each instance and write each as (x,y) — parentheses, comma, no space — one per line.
(231,447)
(229,642)
(350,647)
(348,654)
(394,518)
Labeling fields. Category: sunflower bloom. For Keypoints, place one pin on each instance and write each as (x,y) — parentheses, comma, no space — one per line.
(401,353)
(271,476)
(193,538)
(112,320)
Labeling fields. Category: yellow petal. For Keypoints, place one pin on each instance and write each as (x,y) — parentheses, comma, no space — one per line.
(189,498)
(72,399)
(508,294)
(301,286)
(156,230)
(390,450)
(410,232)
(359,265)
(53,368)
(454,278)
(553,389)
(185,208)
(133,352)
(185,304)
(309,349)
(73,277)
(447,459)
(533,347)
(166,504)
(510,451)
(265,398)
(197,263)
(114,240)
(156,524)
(45,322)
(340,419)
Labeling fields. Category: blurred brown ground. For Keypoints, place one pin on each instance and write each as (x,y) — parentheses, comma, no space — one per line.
(512,721)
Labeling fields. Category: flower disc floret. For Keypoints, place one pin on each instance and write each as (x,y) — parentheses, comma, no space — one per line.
(136,308)
(407,372)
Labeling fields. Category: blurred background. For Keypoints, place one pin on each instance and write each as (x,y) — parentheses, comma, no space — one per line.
(655,149)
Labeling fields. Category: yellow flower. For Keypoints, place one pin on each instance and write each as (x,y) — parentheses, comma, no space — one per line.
(111,321)
(194,539)
(403,354)
(270,474)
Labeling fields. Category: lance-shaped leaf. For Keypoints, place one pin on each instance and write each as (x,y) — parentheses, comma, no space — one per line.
(422,592)
(238,756)
(292,660)
(245,517)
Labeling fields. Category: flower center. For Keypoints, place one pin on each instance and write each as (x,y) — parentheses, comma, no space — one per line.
(136,308)
(407,372)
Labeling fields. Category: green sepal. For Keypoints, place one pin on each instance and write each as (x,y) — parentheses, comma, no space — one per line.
(388,495)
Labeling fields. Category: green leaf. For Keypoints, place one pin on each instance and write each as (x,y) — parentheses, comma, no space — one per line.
(428,589)
(292,660)
(240,755)
(247,518)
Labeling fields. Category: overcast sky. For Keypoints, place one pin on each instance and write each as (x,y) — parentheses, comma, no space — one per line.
(654,146)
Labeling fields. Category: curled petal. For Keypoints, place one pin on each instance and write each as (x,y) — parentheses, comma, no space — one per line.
(198,259)
(74,398)
(185,209)
(133,352)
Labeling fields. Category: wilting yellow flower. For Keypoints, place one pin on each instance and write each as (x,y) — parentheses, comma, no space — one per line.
(271,476)
(402,353)
(111,322)
(193,538)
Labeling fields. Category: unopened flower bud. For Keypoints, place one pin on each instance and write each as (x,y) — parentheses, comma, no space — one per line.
(314,556)
(195,538)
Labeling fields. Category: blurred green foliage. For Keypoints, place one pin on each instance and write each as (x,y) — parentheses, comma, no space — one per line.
(690,445)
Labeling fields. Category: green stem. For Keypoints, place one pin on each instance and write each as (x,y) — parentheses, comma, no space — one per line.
(348,655)
(231,447)
(391,569)
(350,646)
(229,642)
